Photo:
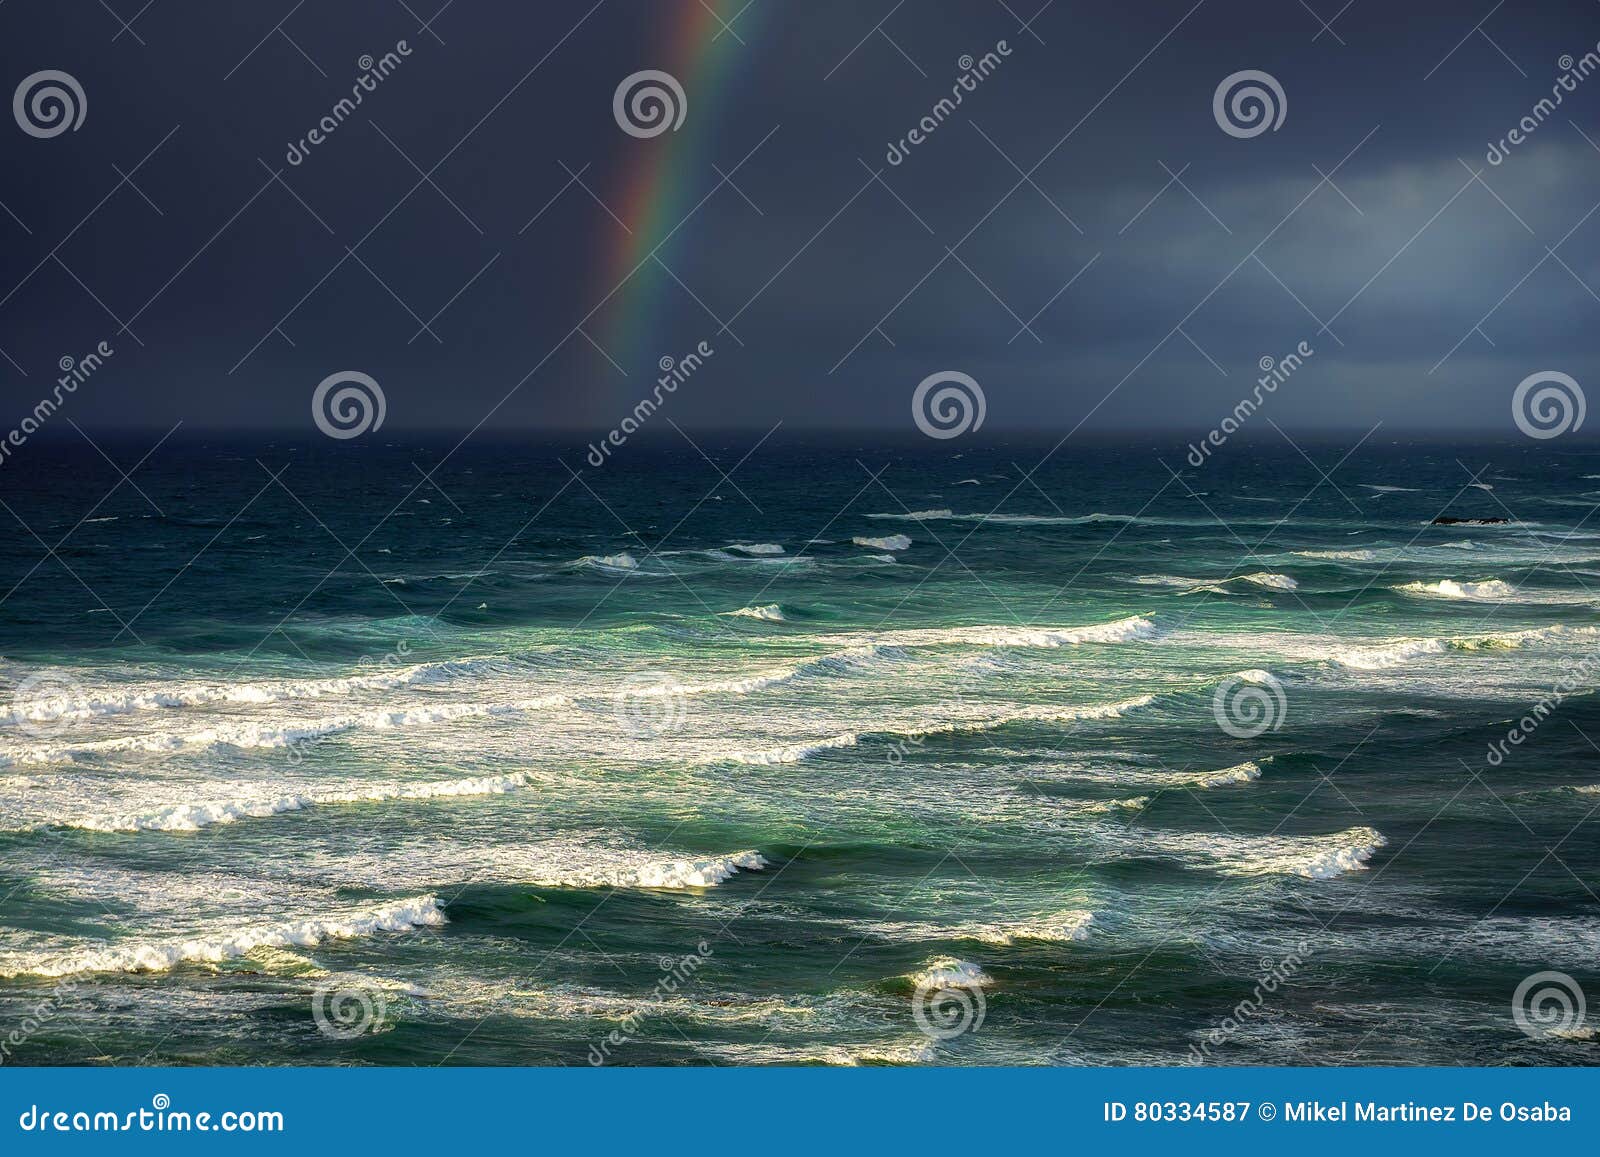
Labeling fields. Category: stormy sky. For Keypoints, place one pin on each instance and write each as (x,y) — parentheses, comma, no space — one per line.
(1080,235)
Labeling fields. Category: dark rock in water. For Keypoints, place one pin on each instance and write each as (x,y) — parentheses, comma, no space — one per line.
(1446,520)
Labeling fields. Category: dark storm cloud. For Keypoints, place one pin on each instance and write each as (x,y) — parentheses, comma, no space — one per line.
(1402,254)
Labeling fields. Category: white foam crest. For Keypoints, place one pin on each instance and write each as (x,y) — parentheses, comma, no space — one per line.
(1338,555)
(1395,652)
(1227,776)
(756,547)
(887,542)
(948,972)
(789,753)
(795,752)
(1130,629)
(160,955)
(621,561)
(1313,857)
(249,735)
(114,701)
(1493,590)
(917,515)
(1060,927)
(191,817)
(1275,582)
(766,613)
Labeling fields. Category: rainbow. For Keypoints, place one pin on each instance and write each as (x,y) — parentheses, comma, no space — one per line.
(662,178)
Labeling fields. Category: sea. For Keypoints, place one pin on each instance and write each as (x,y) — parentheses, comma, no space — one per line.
(798,750)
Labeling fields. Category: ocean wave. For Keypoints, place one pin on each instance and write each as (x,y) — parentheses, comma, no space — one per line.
(160,955)
(1131,629)
(1360,555)
(795,752)
(621,562)
(789,753)
(887,542)
(767,613)
(756,547)
(947,972)
(918,515)
(256,735)
(1227,776)
(1062,928)
(1261,578)
(1493,590)
(191,817)
(96,703)
(1312,857)
(1395,652)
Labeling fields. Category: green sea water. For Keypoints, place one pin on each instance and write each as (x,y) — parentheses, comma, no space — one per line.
(933,753)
